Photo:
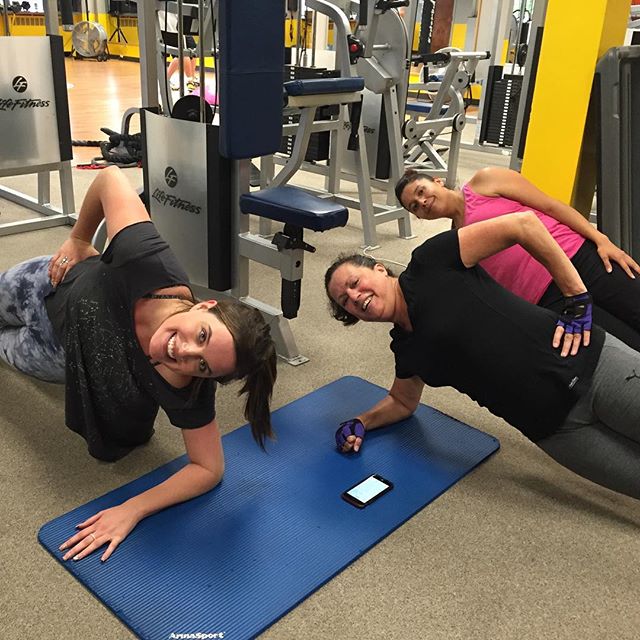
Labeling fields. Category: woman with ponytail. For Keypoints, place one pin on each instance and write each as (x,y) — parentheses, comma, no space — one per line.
(123,332)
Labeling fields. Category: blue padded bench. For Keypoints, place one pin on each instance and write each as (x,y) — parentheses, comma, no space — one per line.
(424,107)
(324,91)
(291,205)
(316,92)
(323,85)
(298,210)
(419,107)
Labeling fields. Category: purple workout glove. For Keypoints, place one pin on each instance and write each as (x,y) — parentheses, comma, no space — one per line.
(353,427)
(577,315)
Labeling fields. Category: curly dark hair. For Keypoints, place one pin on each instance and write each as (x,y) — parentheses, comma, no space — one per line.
(357,260)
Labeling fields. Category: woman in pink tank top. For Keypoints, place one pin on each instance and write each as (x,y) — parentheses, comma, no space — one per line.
(608,272)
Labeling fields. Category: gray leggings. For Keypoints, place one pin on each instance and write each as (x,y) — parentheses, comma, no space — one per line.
(600,439)
(27,340)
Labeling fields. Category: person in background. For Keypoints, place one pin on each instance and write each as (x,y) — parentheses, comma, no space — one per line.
(608,272)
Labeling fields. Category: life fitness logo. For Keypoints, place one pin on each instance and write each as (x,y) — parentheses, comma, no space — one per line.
(19,84)
(170,177)
(169,199)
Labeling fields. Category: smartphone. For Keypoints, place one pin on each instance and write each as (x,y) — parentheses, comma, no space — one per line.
(367,490)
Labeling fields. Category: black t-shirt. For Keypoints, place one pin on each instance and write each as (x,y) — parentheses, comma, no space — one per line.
(471,334)
(112,391)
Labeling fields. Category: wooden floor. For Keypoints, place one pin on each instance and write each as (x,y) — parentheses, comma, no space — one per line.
(99,94)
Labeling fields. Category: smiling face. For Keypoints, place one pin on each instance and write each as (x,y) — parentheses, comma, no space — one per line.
(368,294)
(426,199)
(194,343)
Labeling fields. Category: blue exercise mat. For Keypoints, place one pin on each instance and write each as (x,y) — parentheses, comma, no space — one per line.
(235,560)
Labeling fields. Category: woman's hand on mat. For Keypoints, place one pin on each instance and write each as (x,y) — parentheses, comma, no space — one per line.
(608,252)
(72,251)
(110,526)
(350,435)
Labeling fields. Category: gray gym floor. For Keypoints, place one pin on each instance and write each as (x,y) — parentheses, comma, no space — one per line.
(521,548)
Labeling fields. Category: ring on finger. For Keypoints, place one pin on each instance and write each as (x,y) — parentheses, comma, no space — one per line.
(93,538)
(64,261)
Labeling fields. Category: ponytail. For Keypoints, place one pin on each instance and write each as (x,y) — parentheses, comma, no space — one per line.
(255,363)
(258,385)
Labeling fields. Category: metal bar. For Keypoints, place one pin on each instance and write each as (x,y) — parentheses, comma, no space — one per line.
(299,148)
(240,175)
(66,188)
(523,8)
(314,18)
(147,39)
(539,14)
(33,224)
(317,127)
(44,188)
(201,64)
(395,149)
(342,28)
(5,19)
(180,46)
(259,250)
(50,17)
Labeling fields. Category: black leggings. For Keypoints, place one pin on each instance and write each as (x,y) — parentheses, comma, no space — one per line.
(616,296)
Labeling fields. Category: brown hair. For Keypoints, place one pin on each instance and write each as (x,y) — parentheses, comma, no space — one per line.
(357,260)
(409,176)
(255,362)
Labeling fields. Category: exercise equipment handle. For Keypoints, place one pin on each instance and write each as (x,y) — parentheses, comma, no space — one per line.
(431,58)
(385,5)
(471,55)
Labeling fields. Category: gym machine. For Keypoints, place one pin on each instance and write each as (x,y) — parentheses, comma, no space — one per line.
(502,91)
(34,120)
(196,173)
(357,158)
(445,112)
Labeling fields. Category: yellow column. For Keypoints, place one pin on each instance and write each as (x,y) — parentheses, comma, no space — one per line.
(459,35)
(559,158)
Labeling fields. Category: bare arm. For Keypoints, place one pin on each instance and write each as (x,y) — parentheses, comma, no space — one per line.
(401,402)
(111,526)
(495,181)
(111,197)
(484,239)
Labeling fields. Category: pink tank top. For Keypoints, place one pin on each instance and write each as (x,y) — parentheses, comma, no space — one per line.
(514,268)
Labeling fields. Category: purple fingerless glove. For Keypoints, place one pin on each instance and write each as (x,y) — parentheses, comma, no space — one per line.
(577,315)
(353,427)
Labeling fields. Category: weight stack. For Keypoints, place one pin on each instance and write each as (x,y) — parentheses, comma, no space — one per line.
(501,110)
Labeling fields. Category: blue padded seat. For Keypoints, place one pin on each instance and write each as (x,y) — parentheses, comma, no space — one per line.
(323,85)
(419,107)
(424,107)
(294,206)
